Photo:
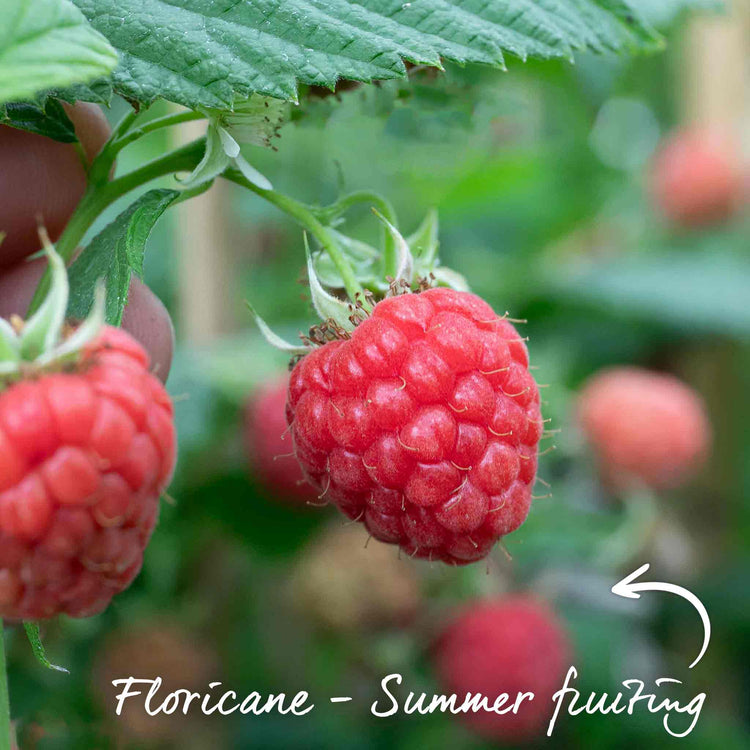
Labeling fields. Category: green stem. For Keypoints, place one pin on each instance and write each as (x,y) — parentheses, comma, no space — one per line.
(334,210)
(307,218)
(5,728)
(123,126)
(98,197)
(156,124)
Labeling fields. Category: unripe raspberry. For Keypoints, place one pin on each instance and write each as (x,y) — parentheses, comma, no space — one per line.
(696,178)
(85,452)
(424,425)
(269,445)
(645,427)
(344,582)
(164,649)
(511,645)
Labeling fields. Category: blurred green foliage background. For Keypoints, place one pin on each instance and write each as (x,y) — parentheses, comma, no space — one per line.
(539,179)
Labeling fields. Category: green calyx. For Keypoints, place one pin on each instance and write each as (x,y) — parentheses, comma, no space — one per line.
(413,262)
(40,343)
(407,264)
(254,121)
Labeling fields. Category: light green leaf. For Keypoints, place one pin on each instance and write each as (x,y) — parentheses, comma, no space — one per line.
(114,255)
(209,53)
(47,44)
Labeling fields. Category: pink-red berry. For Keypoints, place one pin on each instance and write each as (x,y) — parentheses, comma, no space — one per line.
(269,444)
(84,456)
(645,427)
(696,178)
(512,645)
(424,425)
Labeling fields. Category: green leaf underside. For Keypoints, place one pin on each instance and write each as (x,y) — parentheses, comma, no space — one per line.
(47,44)
(98,91)
(114,255)
(49,120)
(207,53)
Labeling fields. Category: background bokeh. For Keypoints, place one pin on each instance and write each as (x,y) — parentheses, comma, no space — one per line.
(539,176)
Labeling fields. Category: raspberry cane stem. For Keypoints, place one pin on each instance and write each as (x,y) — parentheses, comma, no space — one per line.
(4,700)
(307,218)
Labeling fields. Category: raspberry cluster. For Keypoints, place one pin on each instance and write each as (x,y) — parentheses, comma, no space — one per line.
(85,453)
(424,424)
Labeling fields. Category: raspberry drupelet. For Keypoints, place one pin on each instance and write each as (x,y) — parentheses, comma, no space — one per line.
(85,452)
(424,425)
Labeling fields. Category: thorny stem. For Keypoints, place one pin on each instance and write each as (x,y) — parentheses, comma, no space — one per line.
(5,729)
(306,216)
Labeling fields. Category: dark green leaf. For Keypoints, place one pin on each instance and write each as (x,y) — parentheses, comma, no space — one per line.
(99,92)
(49,120)
(115,254)
(207,53)
(32,631)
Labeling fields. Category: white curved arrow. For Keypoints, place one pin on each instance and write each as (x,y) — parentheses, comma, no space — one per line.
(627,588)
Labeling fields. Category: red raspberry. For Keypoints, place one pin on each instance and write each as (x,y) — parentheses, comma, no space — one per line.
(84,456)
(424,425)
(512,645)
(695,178)
(269,444)
(644,426)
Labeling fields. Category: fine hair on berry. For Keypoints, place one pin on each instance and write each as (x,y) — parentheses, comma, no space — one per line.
(424,425)
(85,452)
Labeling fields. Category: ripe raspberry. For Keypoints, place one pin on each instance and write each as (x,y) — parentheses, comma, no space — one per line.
(511,645)
(84,454)
(269,445)
(424,425)
(644,426)
(695,179)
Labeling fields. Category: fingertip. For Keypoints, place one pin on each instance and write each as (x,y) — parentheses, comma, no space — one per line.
(43,179)
(145,317)
(148,321)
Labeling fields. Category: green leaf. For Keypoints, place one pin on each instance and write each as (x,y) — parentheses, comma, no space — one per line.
(32,631)
(47,44)
(115,254)
(207,53)
(692,292)
(98,92)
(49,119)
